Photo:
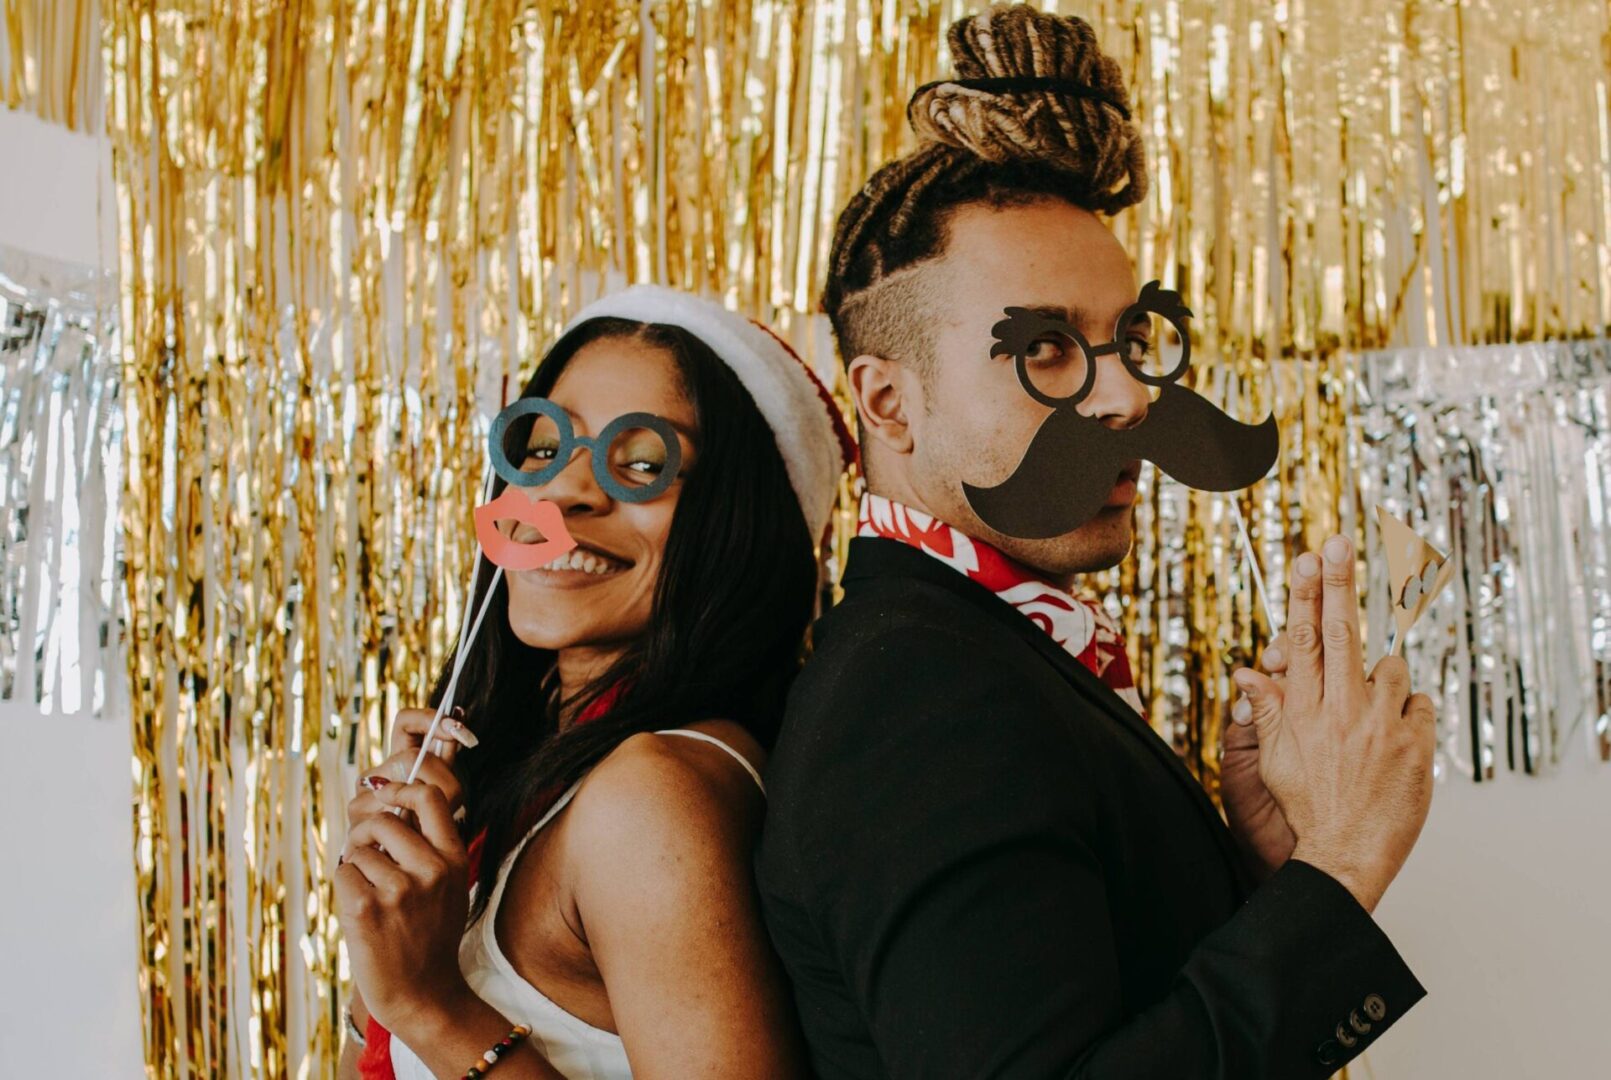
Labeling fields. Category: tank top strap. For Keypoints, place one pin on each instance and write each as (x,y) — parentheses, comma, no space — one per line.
(736,756)
(548,815)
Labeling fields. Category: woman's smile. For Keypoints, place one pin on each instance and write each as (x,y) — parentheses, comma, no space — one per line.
(586,564)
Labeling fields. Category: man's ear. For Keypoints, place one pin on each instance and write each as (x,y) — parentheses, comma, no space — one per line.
(881,388)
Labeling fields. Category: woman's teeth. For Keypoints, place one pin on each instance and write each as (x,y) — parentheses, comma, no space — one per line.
(585,561)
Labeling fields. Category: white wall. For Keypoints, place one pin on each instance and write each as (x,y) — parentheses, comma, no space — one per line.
(69,999)
(50,201)
(1504,912)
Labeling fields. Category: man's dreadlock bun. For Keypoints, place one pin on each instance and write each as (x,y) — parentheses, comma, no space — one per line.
(1043,94)
(1035,110)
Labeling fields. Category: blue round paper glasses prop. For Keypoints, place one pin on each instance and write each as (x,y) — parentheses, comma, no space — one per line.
(598,447)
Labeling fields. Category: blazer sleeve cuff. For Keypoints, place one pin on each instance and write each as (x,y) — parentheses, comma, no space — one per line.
(1336,980)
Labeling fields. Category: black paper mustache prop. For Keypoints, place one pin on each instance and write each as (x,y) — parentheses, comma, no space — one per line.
(1070,467)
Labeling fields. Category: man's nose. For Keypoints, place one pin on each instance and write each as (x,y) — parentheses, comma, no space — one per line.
(1117,398)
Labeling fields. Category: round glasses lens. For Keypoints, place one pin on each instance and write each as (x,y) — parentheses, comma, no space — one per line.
(1153,344)
(1055,365)
(531,442)
(641,462)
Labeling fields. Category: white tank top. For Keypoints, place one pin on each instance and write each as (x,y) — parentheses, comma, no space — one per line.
(578,1050)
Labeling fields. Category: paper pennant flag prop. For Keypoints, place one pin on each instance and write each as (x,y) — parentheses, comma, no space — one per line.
(1416,572)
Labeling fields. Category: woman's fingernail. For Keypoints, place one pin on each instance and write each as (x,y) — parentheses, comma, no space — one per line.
(1242,711)
(1244,678)
(1308,565)
(463,734)
(1273,657)
(374,782)
(1336,550)
(457,712)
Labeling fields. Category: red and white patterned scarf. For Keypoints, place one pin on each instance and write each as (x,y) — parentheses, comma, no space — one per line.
(1083,627)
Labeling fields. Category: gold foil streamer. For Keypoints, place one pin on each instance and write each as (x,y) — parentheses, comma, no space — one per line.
(61,429)
(50,61)
(350,227)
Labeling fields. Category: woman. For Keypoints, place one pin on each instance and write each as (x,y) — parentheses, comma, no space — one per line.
(616,921)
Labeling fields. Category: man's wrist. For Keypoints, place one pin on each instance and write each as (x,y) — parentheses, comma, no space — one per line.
(1361,885)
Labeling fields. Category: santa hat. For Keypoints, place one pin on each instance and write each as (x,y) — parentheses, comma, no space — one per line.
(809,429)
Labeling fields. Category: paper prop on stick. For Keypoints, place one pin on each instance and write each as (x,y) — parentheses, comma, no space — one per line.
(467,635)
(635,457)
(1416,573)
(1070,467)
(515,551)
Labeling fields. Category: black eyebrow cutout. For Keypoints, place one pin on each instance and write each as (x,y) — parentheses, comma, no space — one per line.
(1023,326)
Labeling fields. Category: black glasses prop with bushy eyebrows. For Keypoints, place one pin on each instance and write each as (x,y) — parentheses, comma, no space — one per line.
(1158,357)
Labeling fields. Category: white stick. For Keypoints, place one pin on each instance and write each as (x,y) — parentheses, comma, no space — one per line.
(458,666)
(467,633)
(1253,564)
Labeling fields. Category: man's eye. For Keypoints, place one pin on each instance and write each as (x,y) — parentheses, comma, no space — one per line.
(1046,350)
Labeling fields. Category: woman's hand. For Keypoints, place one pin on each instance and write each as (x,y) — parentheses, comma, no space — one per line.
(410,725)
(402,898)
(408,735)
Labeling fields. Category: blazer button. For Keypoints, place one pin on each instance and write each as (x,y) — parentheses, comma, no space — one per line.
(1356,1023)
(1375,1007)
(1328,1052)
(1345,1038)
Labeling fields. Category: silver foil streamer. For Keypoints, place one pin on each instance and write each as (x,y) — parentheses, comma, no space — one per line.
(60,439)
(1501,456)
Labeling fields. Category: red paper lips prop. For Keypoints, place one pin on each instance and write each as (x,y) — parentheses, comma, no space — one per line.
(514,504)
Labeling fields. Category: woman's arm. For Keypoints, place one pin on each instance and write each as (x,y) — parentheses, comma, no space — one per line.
(401,895)
(667,901)
(347,1067)
(407,736)
(450,1040)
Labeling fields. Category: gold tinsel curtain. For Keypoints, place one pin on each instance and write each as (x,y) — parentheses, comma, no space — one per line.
(350,225)
(50,61)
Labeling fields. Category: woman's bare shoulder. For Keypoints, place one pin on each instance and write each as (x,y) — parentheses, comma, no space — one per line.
(672,793)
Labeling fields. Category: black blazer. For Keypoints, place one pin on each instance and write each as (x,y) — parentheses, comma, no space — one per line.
(979,862)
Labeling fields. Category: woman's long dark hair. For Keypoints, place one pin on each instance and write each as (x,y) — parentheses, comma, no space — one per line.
(730,611)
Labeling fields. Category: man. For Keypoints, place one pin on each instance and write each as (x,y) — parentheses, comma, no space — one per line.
(979,860)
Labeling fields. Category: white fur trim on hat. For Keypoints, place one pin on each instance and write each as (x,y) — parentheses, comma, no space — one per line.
(800,413)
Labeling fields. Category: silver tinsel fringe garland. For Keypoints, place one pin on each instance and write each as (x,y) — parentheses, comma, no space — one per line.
(61,430)
(1501,457)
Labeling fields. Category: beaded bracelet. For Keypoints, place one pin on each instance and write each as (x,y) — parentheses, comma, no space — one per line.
(502,1047)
